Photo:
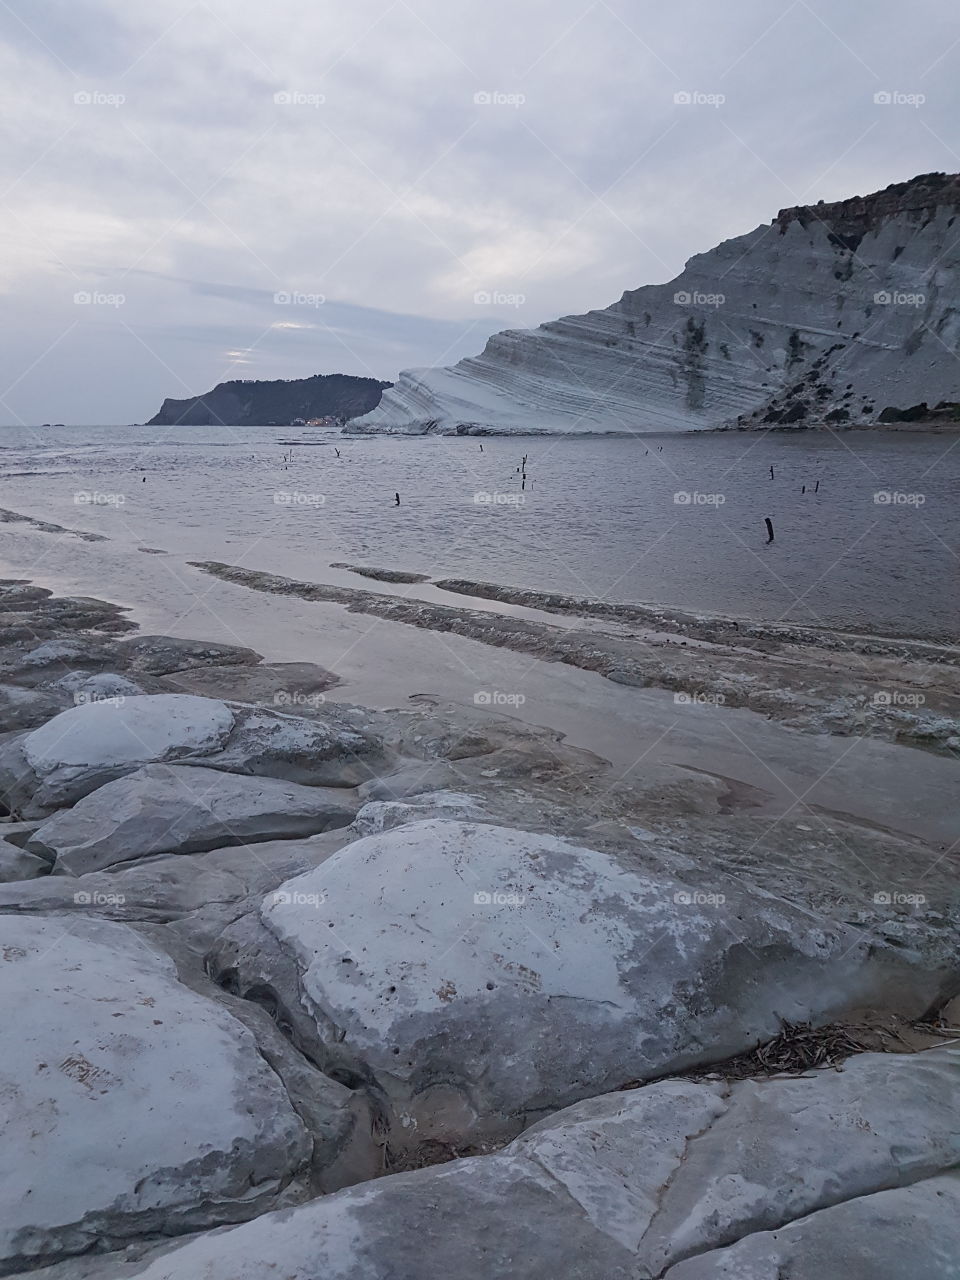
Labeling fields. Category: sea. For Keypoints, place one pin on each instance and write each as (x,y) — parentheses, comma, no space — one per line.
(866,525)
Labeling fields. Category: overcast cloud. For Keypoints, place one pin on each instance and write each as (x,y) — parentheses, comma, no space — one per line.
(379,163)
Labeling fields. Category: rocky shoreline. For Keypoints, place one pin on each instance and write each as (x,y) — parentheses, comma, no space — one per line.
(816,680)
(309,987)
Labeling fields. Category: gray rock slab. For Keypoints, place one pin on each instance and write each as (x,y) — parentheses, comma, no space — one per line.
(630,1184)
(184,809)
(907,1233)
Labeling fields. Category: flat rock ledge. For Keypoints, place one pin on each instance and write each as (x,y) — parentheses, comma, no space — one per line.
(839,1174)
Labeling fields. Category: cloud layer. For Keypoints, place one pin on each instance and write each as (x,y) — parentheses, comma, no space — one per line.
(239,190)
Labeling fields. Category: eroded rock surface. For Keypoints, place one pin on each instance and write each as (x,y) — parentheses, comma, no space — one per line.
(789,323)
(97,742)
(130,1104)
(342,1008)
(632,1184)
(477,975)
(183,809)
(901,1234)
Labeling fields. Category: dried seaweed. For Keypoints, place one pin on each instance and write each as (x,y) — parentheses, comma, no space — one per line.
(800,1047)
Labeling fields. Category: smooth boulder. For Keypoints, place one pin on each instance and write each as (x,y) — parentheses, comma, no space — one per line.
(95,742)
(130,1105)
(183,809)
(99,741)
(479,975)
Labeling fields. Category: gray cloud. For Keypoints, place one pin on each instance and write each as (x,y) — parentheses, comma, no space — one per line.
(178,181)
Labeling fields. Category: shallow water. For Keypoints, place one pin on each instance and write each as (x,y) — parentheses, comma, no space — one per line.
(598,517)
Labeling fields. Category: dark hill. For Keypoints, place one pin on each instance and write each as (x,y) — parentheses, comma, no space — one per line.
(246,403)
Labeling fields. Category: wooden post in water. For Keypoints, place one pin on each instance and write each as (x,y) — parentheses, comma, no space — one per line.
(769,523)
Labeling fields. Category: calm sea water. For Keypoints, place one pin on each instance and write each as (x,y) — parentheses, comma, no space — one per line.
(672,520)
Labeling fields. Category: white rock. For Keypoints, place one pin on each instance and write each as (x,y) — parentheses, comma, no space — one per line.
(100,687)
(627,1184)
(911,1233)
(108,734)
(769,317)
(90,745)
(482,974)
(310,751)
(184,809)
(678,1168)
(383,815)
(130,1104)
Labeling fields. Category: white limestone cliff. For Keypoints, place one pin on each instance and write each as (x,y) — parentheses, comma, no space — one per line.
(832,313)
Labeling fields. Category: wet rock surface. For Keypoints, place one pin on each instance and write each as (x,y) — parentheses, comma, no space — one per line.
(814,680)
(492,938)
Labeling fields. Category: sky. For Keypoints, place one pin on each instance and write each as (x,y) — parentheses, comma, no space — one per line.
(194,192)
